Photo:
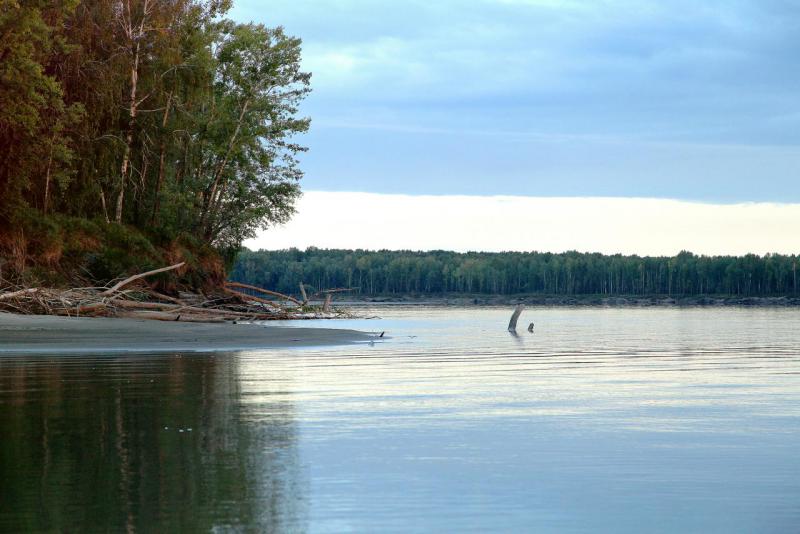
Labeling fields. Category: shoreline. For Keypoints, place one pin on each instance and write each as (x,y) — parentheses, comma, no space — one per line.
(574,301)
(25,334)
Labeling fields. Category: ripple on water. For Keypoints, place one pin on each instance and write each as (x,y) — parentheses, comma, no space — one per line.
(601,420)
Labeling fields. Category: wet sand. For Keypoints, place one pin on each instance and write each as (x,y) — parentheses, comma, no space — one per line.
(49,334)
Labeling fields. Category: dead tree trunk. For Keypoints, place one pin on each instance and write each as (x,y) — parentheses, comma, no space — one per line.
(161,162)
(512,324)
(134,35)
(303,292)
(130,279)
(47,179)
(103,203)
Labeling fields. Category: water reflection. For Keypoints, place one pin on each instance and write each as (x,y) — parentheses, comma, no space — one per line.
(123,444)
(618,420)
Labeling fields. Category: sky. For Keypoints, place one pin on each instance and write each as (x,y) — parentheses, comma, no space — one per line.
(654,227)
(561,99)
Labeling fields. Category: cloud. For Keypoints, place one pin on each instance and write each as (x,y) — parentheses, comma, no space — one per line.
(629,72)
(642,226)
(485,162)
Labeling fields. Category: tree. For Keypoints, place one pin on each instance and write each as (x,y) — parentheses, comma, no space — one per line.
(33,115)
(507,273)
(253,170)
(160,115)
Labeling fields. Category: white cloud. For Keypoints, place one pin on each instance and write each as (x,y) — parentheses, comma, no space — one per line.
(609,225)
(680,99)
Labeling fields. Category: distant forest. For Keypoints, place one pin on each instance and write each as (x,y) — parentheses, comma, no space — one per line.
(509,273)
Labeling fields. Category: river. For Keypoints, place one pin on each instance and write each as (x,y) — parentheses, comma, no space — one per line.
(600,420)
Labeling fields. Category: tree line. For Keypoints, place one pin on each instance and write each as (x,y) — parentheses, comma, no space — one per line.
(162,115)
(388,272)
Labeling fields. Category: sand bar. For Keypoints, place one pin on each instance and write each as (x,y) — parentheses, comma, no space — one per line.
(50,334)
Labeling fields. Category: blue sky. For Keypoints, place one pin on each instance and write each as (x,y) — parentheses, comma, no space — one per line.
(684,99)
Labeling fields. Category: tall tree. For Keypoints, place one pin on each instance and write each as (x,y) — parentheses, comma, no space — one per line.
(33,116)
(250,156)
(188,125)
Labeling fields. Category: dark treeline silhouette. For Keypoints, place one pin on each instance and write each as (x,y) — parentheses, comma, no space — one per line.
(507,273)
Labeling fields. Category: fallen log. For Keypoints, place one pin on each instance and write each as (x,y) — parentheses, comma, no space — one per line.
(264,291)
(143,303)
(244,296)
(174,308)
(135,277)
(163,316)
(135,304)
(70,312)
(335,290)
(161,296)
(21,292)
(90,308)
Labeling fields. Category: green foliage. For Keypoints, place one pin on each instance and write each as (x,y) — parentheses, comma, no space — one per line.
(510,273)
(33,114)
(124,249)
(161,116)
(252,178)
(58,250)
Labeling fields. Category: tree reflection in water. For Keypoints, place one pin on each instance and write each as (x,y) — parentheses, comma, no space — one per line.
(142,442)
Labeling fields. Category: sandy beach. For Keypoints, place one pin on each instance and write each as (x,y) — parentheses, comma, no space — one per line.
(50,334)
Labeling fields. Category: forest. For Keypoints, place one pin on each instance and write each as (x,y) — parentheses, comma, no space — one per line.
(388,272)
(137,133)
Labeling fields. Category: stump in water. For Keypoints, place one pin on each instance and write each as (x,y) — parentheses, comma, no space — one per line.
(512,324)
(303,292)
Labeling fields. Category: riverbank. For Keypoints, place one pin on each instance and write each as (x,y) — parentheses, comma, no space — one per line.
(577,300)
(50,334)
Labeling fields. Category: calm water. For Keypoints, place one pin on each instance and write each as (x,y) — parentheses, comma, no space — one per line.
(602,420)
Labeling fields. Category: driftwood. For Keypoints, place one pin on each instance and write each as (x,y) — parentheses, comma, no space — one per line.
(161,296)
(264,291)
(163,316)
(135,277)
(90,308)
(335,290)
(250,297)
(328,293)
(11,295)
(144,303)
(512,324)
(303,292)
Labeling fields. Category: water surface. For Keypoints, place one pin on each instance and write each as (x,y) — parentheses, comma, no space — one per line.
(615,420)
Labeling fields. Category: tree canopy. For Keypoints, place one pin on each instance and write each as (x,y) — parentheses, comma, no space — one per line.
(160,115)
(388,272)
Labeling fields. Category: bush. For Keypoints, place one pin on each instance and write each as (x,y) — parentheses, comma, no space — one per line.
(66,251)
